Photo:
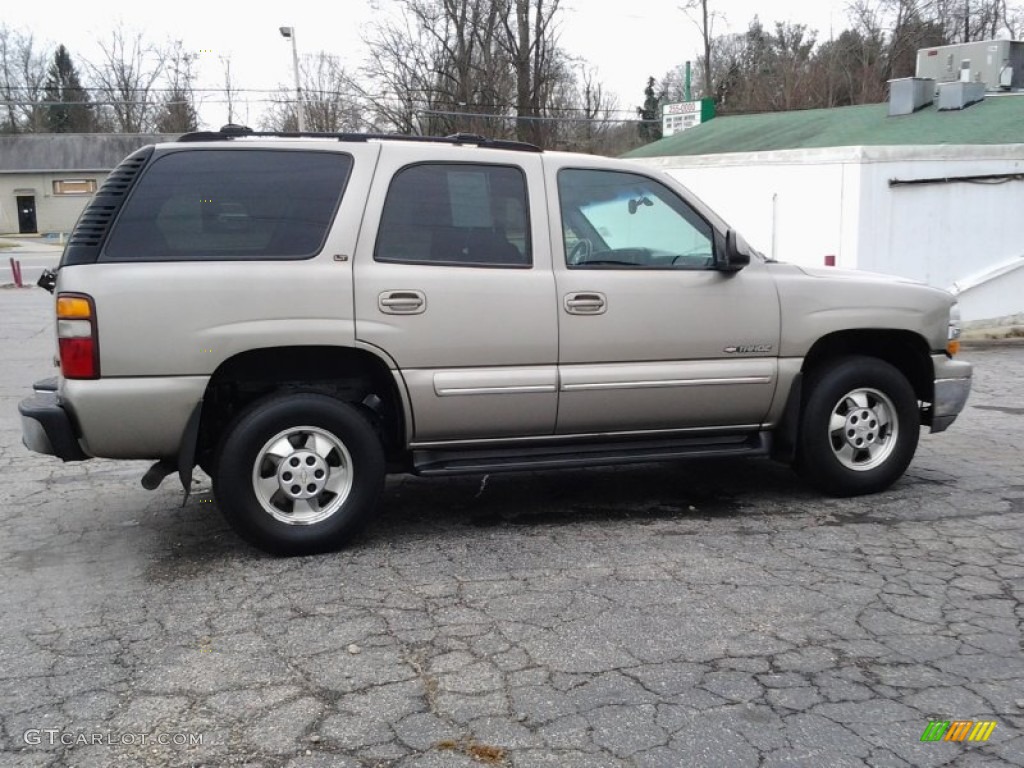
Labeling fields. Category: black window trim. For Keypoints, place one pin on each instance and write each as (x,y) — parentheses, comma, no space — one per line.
(159,154)
(530,264)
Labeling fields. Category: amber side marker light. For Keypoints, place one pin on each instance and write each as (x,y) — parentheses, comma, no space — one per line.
(953,336)
(77,341)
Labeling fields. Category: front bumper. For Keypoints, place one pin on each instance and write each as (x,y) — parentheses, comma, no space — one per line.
(46,427)
(952,386)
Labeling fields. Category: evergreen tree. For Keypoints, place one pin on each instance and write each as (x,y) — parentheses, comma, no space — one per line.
(651,110)
(68,109)
(177,114)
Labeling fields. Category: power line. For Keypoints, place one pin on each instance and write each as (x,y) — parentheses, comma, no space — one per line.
(285,92)
(531,118)
(369,105)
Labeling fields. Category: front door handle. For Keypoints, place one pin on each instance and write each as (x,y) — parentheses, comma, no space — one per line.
(585,303)
(402,302)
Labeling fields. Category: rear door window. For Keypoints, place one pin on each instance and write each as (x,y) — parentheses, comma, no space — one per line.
(230,204)
(456,214)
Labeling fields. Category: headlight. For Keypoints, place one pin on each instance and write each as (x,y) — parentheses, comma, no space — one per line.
(953,337)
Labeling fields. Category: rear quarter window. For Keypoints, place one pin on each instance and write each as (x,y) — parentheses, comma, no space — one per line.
(230,204)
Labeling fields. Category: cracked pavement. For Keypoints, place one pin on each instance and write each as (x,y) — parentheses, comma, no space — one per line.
(683,614)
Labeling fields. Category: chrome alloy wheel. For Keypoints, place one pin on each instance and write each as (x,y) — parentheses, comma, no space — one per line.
(302,475)
(863,429)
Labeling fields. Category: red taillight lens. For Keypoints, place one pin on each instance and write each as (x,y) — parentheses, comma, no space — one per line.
(76,336)
(77,358)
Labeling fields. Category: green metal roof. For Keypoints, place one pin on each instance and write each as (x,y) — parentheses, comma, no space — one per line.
(996,120)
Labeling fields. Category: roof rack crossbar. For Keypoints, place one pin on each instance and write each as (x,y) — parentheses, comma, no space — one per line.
(455,139)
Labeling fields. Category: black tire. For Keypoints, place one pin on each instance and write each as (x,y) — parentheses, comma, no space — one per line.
(298,474)
(859,426)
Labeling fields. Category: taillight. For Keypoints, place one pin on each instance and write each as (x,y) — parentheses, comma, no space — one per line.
(76,336)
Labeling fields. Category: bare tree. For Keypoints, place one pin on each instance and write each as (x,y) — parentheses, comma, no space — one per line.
(438,65)
(532,45)
(23,71)
(704,19)
(125,78)
(481,66)
(969,20)
(230,90)
(399,75)
(177,111)
(9,85)
(330,100)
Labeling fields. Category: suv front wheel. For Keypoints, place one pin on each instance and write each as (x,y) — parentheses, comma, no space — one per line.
(299,473)
(859,428)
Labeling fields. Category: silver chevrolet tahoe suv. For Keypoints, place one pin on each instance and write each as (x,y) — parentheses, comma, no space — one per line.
(300,315)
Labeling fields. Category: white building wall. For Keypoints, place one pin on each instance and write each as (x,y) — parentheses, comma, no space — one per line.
(994,294)
(839,201)
(798,205)
(940,233)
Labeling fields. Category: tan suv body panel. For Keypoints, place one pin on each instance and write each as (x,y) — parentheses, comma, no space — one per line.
(159,347)
(492,353)
(656,356)
(479,358)
(817,302)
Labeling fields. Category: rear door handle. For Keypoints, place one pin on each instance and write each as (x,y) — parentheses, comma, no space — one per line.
(402,302)
(585,303)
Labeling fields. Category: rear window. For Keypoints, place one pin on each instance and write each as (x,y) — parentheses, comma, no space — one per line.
(230,204)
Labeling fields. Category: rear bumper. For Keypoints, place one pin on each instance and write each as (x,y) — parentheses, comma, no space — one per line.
(952,387)
(46,427)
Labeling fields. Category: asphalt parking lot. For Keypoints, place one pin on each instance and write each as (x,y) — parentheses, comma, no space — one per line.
(686,614)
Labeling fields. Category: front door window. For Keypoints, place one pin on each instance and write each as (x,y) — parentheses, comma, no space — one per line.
(621,220)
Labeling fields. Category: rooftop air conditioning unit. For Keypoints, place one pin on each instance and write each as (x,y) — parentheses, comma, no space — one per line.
(960,95)
(909,94)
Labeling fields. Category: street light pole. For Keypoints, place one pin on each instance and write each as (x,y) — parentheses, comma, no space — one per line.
(289,32)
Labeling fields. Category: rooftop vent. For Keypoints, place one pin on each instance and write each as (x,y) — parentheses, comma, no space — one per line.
(959,95)
(909,94)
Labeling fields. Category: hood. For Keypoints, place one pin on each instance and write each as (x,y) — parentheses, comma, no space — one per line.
(855,274)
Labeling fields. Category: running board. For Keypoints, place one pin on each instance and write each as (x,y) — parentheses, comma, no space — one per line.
(461,461)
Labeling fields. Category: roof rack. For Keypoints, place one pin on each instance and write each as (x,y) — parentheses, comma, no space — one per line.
(230,131)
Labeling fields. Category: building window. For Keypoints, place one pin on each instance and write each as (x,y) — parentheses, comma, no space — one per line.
(74,186)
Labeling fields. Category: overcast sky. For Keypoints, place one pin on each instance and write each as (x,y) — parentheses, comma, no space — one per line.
(625,41)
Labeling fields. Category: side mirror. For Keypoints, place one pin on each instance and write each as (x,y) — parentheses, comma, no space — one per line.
(48,280)
(737,253)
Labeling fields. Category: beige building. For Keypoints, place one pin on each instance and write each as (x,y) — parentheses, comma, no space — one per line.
(47,178)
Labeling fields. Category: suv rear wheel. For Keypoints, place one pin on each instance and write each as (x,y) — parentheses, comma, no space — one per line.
(298,474)
(859,427)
